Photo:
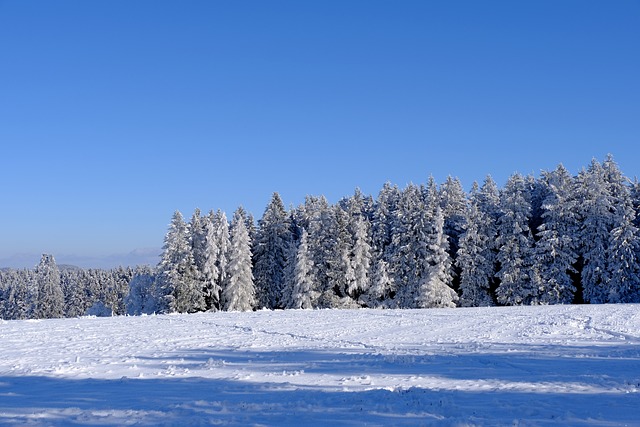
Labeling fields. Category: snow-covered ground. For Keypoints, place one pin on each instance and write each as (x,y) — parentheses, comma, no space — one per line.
(555,365)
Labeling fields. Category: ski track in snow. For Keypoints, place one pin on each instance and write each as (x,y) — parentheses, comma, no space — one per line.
(525,366)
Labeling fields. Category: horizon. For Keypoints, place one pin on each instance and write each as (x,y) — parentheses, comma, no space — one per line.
(114,115)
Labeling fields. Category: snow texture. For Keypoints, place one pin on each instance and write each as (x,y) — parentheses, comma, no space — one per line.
(535,365)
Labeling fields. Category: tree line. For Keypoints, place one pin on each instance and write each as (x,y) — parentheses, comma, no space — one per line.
(555,239)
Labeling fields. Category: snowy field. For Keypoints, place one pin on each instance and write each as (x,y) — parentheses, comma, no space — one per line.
(525,366)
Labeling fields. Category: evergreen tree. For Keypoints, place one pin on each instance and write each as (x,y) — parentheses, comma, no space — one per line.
(303,293)
(556,247)
(515,246)
(622,261)
(383,218)
(178,276)
(140,299)
(596,218)
(435,287)
(50,299)
(382,290)
(453,202)
(209,271)
(411,243)
(361,260)
(270,252)
(476,257)
(239,293)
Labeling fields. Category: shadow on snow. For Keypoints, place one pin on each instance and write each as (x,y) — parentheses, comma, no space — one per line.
(610,375)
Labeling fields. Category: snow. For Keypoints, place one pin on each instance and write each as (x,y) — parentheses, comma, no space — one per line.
(549,365)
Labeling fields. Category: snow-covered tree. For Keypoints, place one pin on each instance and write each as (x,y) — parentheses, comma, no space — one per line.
(361,259)
(141,298)
(515,246)
(595,212)
(453,202)
(238,291)
(270,249)
(382,222)
(178,275)
(382,290)
(434,289)
(409,245)
(50,299)
(555,251)
(303,293)
(476,257)
(622,261)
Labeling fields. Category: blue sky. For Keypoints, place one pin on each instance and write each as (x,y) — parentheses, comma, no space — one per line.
(113,114)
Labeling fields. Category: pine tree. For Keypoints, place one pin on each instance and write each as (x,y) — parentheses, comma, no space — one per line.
(515,246)
(239,293)
(140,299)
(410,242)
(596,218)
(361,260)
(380,293)
(623,266)
(270,253)
(453,202)
(435,287)
(303,293)
(178,278)
(556,247)
(209,270)
(50,299)
(476,258)
(382,223)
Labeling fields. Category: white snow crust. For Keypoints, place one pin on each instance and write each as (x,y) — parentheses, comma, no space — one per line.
(525,366)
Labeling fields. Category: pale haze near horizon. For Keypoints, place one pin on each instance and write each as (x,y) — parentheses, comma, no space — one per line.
(115,114)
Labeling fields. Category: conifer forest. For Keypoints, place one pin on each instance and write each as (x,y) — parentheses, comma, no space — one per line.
(553,239)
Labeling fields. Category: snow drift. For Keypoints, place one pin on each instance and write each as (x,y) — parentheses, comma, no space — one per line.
(551,365)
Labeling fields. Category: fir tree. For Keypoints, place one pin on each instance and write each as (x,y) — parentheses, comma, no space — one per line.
(178,277)
(435,287)
(476,258)
(270,253)
(380,293)
(50,299)
(303,293)
(515,246)
(239,293)
(596,218)
(361,260)
(556,247)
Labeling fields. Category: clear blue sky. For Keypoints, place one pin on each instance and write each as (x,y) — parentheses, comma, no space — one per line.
(115,113)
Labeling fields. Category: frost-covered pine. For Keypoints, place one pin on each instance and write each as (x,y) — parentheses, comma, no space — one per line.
(19,300)
(515,246)
(596,218)
(623,248)
(556,246)
(238,291)
(141,299)
(269,253)
(435,289)
(223,243)
(410,244)
(50,299)
(453,202)
(209,271)
(382,222)
(476,257)
(380,293)
(361,259)
(179,279)
(303,293)
(624,271)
